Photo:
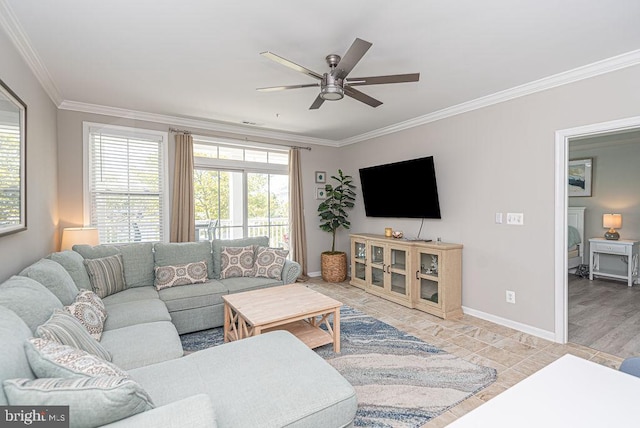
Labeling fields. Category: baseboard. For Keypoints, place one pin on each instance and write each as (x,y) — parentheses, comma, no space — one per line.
(525,328)
(314,274)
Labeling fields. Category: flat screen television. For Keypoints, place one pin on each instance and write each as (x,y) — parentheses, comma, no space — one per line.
(401,189)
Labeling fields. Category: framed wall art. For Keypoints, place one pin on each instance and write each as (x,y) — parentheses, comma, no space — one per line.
(321,177)
(579,173)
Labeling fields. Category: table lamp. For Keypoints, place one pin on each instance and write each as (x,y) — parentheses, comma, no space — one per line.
(613,222)
(78,235)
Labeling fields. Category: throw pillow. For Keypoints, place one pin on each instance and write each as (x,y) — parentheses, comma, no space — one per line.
(270,261)
(190,273)
(48,358)
(64,328)
(92,401)
(106,275)
(88,296)
(237,262)
(89,316)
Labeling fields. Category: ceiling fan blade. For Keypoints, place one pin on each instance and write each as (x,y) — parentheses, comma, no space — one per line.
(360,96)
(351,58)
(282,88)
(317,103)
(379,80)
(291,65)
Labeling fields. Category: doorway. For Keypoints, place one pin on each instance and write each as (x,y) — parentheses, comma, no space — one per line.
(563,138)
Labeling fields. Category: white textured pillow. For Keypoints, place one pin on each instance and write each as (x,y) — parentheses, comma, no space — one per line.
(237,262)
(270,261)
(189,273)
(92,401)
(50,359)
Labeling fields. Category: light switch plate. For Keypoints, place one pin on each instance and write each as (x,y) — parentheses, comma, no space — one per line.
(498,218)
(515,218)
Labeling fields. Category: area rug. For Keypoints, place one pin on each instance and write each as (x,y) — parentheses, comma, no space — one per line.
(400,381)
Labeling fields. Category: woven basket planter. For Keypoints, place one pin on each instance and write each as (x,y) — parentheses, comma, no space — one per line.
(334,266)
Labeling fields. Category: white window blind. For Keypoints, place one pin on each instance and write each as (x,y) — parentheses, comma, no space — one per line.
(126,184)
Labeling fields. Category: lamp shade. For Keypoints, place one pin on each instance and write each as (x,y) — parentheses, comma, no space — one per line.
(78,235)
(612,221)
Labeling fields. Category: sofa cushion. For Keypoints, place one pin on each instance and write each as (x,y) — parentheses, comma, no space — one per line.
(261,369)
(142,344)
(184,274)
(238,285)
(13,360)
(131,313)
(193,296)
(92,401)
(64,328)
(29,299)
(106,275)
(193,412)
(217,244)
(91,318)
(270,261)
(184,252)
(131,295)
(53,276)
(137,259)
(73,263)
(237,262)
(49,358)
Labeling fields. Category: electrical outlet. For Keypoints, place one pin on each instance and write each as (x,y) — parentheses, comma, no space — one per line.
(511,296)
(515,218)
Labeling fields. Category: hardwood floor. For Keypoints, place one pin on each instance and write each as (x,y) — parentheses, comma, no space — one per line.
(605,315)
(514,355)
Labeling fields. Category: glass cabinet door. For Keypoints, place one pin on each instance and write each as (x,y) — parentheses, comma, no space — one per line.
(428,274)
(377,263)
(398,262)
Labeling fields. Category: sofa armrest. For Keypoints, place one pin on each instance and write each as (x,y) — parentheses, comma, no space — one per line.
(193,412)
(290,271)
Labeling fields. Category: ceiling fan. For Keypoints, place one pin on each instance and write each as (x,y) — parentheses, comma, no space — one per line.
(334,84)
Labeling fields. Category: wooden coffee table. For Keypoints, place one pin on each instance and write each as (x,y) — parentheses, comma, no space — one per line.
(292,307)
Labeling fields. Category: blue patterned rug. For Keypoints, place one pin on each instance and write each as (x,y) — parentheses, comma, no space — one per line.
(400,380)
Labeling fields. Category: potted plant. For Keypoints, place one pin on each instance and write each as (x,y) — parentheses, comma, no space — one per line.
(333,215)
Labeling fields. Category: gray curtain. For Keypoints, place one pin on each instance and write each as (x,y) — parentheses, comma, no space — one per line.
(183,224)
(298,238)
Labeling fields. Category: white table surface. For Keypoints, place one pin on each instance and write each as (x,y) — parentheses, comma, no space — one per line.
(570,392)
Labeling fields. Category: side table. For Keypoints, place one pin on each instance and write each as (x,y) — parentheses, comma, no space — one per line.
(623,247)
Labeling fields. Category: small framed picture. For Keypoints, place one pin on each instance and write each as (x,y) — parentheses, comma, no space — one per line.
(321,177)
(580,177)
(321,193)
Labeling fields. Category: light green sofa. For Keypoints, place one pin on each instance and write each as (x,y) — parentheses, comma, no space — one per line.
(272,380)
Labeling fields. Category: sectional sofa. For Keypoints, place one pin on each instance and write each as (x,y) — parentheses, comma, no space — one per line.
(272,380)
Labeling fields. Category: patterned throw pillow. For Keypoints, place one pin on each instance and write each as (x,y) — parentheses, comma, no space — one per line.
(88,296)
(64,328)
(92,401)
(270,261)
(190,273)
(89,316)
(106,275)
(48,358)
(237,262)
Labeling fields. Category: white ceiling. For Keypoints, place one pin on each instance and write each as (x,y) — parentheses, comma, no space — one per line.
(199,59)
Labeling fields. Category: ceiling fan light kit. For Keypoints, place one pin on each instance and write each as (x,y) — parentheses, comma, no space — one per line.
(334,84)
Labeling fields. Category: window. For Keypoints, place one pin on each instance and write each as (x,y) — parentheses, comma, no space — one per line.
(125,183)
(240,191)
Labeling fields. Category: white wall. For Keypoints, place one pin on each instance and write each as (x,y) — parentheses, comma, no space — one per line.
(22,248)
(499,159)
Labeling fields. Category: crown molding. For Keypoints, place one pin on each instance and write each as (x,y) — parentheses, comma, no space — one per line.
(193,123)
(20,40)
(608,65)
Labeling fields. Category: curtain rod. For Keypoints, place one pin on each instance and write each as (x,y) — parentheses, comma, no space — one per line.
(186,132)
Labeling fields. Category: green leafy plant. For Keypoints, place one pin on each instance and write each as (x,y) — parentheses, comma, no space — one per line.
(332,211)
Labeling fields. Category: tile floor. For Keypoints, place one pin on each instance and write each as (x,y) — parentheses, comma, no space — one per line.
(515,355)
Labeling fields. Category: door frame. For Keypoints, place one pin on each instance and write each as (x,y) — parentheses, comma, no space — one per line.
(563,137)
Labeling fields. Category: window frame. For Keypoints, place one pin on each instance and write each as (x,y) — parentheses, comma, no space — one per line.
(244,167)
(129,132)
